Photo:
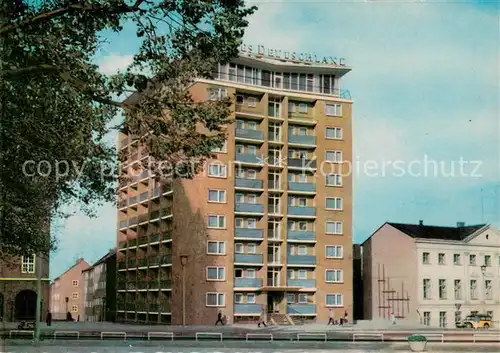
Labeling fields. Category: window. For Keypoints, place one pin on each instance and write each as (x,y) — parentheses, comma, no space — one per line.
(427,288)
(250,273)
(238,248)
(215,299)
(441,259)
(216,248)
(252,198)
(473,289)
(217,221)
(333,156)
(216,273)
(217,170)
(28,264)
(222,149)
(458,289)
(442,319)
(302,250)
(238,298)
(456,259)
(251,174)
(334,203)
(334,251)
(75,295)
(251,249)
(252,150)
(334,180)
(334,276)
(487,260)
(333,109)
(251,125)
(334,299)
(472,260)
(251,298)
(216,93)
(302,298)
(75,283)
(427,318)
(425,258)
(74,308)
(302,274)
(251,223)
(217,196)
(442,289)
(252,102)
(334,227)
(239,99)
(487,289)
(333,133)
(302,108)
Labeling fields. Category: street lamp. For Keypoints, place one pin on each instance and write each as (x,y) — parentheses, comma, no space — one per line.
(184,260)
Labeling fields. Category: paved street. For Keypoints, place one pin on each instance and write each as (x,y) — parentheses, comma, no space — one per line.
(230,347)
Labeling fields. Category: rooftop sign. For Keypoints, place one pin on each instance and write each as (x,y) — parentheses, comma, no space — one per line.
(296,57)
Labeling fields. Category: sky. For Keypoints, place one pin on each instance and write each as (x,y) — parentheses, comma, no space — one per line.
(425,85)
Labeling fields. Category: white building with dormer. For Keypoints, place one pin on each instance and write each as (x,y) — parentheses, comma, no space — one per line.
(430,274)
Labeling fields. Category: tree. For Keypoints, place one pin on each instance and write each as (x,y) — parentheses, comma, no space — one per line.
(56,107)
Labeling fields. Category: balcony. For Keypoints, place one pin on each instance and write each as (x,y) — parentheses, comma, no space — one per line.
(249,207)
(302,187)
(144,196)
(303,283)
(248,183)
(301,117)
(156,192)
(247,283)
(301,260)
(165,284)
(122,265)
(165,212)
(124,142)
(142,240)
(123,224)
(301,235)
(301,309)
(122,245)
(166,188)
(244,109)
(132,221)
(249,233)
(302,140)
(250,134)
(248,258)
(301,163)
(131,263)
(132,200)
(143,218)
(301,211)
(122,203)
(247,309)
(249,158)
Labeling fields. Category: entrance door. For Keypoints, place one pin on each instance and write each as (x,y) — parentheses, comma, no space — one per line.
(273,302)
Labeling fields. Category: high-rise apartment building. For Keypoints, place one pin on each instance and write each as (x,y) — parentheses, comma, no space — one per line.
(267,225)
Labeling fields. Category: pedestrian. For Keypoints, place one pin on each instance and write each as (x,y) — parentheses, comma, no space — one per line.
(219,319)
(345,318)
(262,318)
(331,318)
(48,318)
(393,318)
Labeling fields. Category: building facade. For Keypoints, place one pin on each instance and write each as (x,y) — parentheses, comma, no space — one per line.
(66,293)
(267,225)
(18,296)
(432,275)
(99,289)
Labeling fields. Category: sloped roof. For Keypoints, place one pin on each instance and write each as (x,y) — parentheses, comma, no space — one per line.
(80,260)
(436,232)
(102,259)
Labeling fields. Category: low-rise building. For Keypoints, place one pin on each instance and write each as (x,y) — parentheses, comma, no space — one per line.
(430,274)
(66,292)
(100,289)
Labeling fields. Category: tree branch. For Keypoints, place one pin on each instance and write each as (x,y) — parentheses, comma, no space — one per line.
(63,10)
(30,70)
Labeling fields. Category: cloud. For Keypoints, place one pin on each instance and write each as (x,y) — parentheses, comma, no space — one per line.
(111,64)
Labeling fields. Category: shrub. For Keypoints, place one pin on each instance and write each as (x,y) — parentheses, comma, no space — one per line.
(416,338)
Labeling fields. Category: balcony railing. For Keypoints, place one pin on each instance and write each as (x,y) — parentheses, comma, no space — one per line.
(241,108)
(247,309)
(304,283)
(122,203)
(156,192)
(122,244)
(166,284)
(250,134)
(153,238)
(166,211)
(249,233)
(301,309)
(143,218)
(301,163)
(249,158)
(249,207)
(301,259)
(304,187)
(248,183)
(297,115)
(132,200)
(303,140)
(301,211)
(166,188)
(132,221)
(248,258)
(301,235)
(123,224)
(143,196)
(247,283)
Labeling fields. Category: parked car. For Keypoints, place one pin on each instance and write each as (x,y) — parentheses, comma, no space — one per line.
(476,321)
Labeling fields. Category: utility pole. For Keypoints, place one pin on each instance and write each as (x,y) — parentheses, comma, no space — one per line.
(38,270)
